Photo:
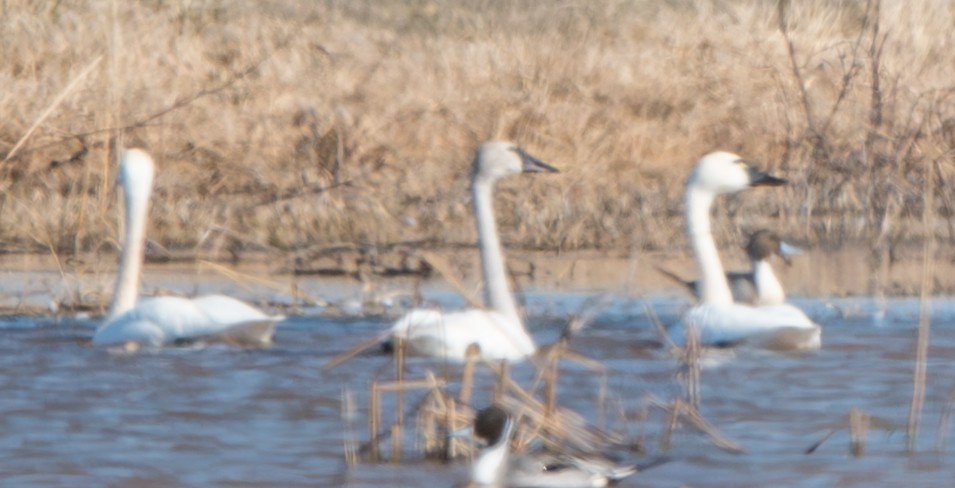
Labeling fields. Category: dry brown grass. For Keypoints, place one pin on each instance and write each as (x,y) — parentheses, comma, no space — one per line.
(295,123)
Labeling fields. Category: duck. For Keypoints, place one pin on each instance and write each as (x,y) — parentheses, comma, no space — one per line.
(762,246)
(496,466)
(759,285)
(718,320)
(168,320)
(498,330)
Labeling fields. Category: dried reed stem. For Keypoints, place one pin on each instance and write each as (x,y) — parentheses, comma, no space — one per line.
(440,264)
(374,420)
(944,422)
(921,348)
(349,439)
(56,103)
(345,356)
(467,376)
(242,279)
(691,356)
(503,380)
(681,409)
(858,430)
(451,451)
(397,428)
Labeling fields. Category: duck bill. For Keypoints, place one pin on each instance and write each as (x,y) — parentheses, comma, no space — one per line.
(761,178)
(530,164)
(787,251)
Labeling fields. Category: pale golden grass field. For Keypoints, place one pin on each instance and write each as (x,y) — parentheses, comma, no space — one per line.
(293,125)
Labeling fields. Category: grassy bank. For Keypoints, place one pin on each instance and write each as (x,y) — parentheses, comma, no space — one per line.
(287,125)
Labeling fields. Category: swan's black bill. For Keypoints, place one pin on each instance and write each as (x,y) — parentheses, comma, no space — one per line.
(761,178)
(532,164)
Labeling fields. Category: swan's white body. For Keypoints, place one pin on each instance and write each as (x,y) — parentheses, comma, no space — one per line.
(498,331)
(497,467)
(717,319)
(434,333)
(168,320)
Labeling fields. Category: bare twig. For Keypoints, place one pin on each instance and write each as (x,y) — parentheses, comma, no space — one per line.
(56,103)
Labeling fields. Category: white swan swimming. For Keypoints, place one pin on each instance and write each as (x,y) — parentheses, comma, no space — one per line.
(498,331)
(717,319)
(168,320)
(497,467)
(759,285)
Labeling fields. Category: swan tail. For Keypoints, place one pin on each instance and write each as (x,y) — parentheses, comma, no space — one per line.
(254,333)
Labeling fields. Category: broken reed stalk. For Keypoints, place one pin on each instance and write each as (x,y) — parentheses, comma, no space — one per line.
(691,357)
(658,326)
(451,450)
(360,348)
(944,421)
(672,421)
(701,424)
(563,426)
(678,409)
(467,376)
(811,449)
(374,409)
(503,379)
(858,430)
(349,439)
(921,347)
(441,265)
(55,103)
(243,278)
(397,427)
(374,420)
(859,424)
(550,380)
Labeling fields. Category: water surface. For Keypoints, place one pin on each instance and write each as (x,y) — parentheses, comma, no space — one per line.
(73,415)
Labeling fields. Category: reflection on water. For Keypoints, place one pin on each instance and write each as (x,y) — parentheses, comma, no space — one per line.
(72,415)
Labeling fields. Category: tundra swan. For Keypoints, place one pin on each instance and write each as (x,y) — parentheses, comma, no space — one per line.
(496,466)
(498,331)
(718,320)
(168,320)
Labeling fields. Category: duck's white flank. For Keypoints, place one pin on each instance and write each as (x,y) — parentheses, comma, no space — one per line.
(497,467)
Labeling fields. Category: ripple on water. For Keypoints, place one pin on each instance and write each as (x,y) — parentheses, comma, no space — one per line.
(73,415)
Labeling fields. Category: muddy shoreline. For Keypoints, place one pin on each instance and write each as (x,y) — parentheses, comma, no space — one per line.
(38,282)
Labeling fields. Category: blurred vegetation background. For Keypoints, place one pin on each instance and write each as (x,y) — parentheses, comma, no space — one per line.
(286,125)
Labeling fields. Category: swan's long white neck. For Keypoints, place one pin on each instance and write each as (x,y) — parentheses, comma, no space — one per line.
(496,292)
(769,290)
(130,263)
(715,289)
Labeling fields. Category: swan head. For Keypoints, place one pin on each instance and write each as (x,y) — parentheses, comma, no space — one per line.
(136,171)
(764,243)
(498,159)
(723,172)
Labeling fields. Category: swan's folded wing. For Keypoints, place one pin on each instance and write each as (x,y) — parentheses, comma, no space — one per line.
(733,324)
(254,333)
(169,320)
